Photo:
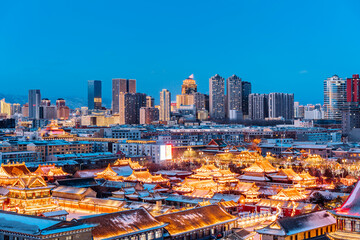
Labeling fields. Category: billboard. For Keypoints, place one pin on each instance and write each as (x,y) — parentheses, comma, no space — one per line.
(165,152)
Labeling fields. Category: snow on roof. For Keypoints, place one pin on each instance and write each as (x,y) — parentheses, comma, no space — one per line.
(351,206)
(195,218)
(300,223)
(121,224)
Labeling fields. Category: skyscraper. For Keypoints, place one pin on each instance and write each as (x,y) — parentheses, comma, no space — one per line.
(234,95)
(281,105)
(258,106)
(353,89)
(94,94)
(165,105)
(189,85)
(150,102)
(334,97)
(246,91)
(217,97)
(121,85)
(62,111)
(129,107)
(34,103)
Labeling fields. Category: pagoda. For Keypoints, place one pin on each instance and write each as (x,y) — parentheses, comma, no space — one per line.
(50,172)
(348,217)
(29,194)
(53,131)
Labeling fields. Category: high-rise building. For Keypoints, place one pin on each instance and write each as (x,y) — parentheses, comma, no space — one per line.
(258,106)
(149,115)
(15,108)
(129,107)
(200,101)
(25,110)
(165,105)
(353,89)
(281,105)
(45,102)
(246,91)
(5,108)
(121,85)
(217,97)
(150,102)
(189,85)
(34,103)
(49,112)
(234,96)
(184,99)
(350,117)
(94,94)
(62,111)
(334,97)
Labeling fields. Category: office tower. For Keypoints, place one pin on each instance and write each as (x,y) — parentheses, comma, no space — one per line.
(258,106)
(5,108)
(45,102)
(246,91)
(281,105)
(165,105)
(189,85)
(94,94)
(25,110)
(129,107)
(15,108)
(350,117)
(200,101)
(121,85)
(60,102)
(49,112)
(150,102)
(334,97)
(148,115)
(184,99)
(62,111)
(353,89)
(233,96)
(34,103)
(217,98)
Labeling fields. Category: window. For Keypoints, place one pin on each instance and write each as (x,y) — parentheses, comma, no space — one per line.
(68,238)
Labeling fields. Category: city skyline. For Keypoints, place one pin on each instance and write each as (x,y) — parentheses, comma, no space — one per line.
(284,54)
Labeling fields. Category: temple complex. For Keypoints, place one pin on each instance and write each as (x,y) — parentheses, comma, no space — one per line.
(53,131)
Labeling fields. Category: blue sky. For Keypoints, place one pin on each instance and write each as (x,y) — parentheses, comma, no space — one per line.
(285,46)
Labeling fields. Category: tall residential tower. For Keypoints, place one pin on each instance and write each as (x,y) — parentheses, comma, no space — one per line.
(217,98)
(94,94)
(165,105)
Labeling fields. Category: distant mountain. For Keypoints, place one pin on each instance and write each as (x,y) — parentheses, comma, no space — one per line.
(72,102)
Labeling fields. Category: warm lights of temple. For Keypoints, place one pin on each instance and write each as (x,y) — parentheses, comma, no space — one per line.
(145,177)
(128,162)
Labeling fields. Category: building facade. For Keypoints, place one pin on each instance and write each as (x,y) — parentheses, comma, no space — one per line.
(121,85)
(217,97)
(233,95)
(281,105)
(334,97)
(94,94)
(34,103)
(165,105)
(258,106)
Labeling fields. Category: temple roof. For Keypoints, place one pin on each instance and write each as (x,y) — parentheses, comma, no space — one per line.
(196,218)
(262,166)
(13,170)
(207,168)
(289,194)
(298,224)
(351,207)
(145,177)
(129,162)
(50,170)
(29,181)
(121,224)
(287,173)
